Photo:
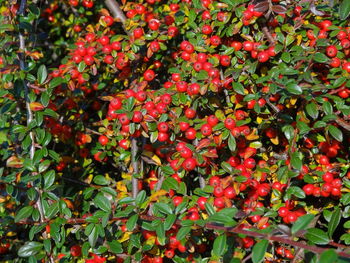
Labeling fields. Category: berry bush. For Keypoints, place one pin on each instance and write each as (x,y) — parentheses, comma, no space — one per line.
(174,131)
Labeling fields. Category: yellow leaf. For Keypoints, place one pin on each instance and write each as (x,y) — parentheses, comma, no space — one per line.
(275,140)
(293,101)
(89,178)
(155,195)
(259,120)
(125,237)
(238,105)
(204,216)
(11,234)
(121,187)
(90,29)
(299,39)
(151,241)
(152,156)
(220,115)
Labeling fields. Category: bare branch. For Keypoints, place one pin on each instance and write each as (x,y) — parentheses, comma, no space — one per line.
(135,166)
(117,13)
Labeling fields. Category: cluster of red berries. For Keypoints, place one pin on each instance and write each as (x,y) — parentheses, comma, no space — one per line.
(289,214)
(250,14)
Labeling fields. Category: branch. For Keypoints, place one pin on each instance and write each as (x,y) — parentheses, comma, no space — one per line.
(117,13)
(22,64)
(135,166)
(343,124)
(236,230)
(268,35)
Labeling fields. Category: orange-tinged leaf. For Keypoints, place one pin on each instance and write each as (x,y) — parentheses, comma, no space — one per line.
(275,140)
(149,53)
(225,182)
(262,221)
(14,162)
(202,144)
(106,98)
(253,135)
(36,106)
(88,138)
(35,55)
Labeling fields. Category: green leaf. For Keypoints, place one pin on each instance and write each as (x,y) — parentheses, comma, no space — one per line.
(115,247)
(160,231)
(259,250)
(169,221)
(344,9)
(296,191)
(227,167)
(294,89)
(23,213)
(81,66)
(202,75)
(320,57)
(130,102)
(49,179)
(163,208)
(102,202)
(288,132)
(336,133)
(296,161)
(222,219)
(286,57)
(183,231)
(100,180)
(327,107)
(55,82)
(93,236)
(317,236)
(339,81)
(334,222)
(219,246)
(232,143)
(52,210)
(30,249)
(167,170)
(131,223)
(238,87)
(345,199)
(302,223)
(170,183)
(328,256)
(42,74)
(141,197)
(312,110)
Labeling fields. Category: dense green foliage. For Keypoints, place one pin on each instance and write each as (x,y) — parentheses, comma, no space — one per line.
(174,131)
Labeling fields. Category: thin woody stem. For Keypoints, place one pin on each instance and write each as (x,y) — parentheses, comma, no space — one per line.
(22,64)
(234,230)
